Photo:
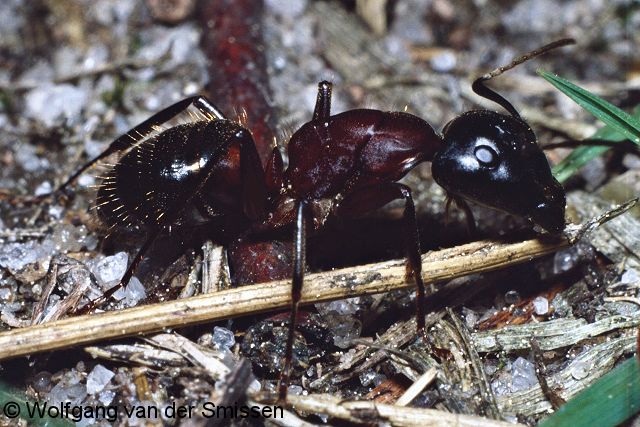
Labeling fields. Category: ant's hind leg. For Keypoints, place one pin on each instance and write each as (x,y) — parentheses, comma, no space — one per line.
(101,300)
(140,132)
(299,242)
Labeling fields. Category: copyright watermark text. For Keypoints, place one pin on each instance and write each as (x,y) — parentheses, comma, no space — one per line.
(112,413)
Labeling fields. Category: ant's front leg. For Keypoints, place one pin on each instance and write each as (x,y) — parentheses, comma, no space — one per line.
(366,199)
(468,213)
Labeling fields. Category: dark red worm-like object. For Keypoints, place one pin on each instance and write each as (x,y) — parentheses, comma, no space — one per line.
(238,79)
(232,40)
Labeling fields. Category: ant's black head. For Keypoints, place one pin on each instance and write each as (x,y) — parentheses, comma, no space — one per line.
(494,159)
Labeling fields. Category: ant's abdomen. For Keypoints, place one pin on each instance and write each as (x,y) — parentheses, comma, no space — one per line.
(356,147)
(151,181)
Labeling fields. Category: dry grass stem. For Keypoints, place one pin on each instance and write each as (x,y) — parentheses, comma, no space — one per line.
(327,286)
(371,413)
(417,387)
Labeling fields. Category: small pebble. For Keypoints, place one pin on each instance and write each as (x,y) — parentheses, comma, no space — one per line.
(512,297)
(524,375)
(98,378)
(443,62)
(541,306)
(110,269)
(580,370)
(223,338)
(55,104)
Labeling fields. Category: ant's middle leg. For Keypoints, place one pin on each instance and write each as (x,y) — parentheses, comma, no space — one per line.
(366,199)
(299,263)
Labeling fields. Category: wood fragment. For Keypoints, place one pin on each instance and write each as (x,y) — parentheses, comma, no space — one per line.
(388,391)
(38,310)
(191,287)
(417,387)
(583,371)
(139,354)
(143,391)
(550,335)
(618,240)
(480,377)
(208,359)
(372,412)
(367,357)
(541,373)
(355,54)
(232,389)
(374,13)
(215,268)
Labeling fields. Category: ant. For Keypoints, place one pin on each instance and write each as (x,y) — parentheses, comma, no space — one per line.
(342,165)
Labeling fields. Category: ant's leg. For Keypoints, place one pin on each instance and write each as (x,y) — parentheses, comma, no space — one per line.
(141,130)
(479,87)
(366,199)
(250,165)
(322,111)
(98,302)
(468,214)
(299,242)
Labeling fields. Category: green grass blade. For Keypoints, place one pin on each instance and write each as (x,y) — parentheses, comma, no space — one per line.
(9,396)
(581,155)
(609,401)
(603,110)
(620,126)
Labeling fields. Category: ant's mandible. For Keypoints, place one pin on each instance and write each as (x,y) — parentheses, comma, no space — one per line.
(345,165)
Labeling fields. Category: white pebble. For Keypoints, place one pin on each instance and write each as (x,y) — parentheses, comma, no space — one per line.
(98,378)
(541,306)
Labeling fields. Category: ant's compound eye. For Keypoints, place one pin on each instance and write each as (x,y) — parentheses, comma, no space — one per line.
(486,156)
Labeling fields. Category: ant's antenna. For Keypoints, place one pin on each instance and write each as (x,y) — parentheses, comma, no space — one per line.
(479,87)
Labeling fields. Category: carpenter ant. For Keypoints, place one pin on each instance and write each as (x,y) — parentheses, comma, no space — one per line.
(349,164)
(341,165)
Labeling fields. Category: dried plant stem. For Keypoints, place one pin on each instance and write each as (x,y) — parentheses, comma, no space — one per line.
(417,387)
(349,282)
(371,412)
